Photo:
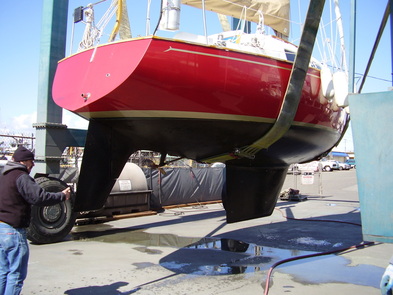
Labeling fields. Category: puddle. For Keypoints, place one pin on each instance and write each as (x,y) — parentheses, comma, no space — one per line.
(211,256)
(135,237)
(332,269)
(207,256)
(215,256)
(220,256)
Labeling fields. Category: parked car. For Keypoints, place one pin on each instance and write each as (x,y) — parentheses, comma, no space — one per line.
(343,166)
(351,162)
(310,166)
(329,165)
(313,166)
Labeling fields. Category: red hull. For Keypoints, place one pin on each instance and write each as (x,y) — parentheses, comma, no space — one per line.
(152,77)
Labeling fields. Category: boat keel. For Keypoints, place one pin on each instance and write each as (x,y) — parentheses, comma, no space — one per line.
(105,154)
(251,192)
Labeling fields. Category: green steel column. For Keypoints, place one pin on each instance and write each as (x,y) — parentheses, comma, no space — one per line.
(391,36)
(49,115)
(372,119)
(352,48)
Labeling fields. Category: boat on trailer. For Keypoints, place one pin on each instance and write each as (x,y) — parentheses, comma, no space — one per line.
(251,100)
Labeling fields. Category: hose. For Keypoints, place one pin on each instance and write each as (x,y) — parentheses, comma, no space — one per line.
(354,247)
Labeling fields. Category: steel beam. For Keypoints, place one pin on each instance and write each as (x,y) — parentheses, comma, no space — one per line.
(51,135)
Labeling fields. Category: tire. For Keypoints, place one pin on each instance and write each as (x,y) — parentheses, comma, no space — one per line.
(327,168)
(51,224)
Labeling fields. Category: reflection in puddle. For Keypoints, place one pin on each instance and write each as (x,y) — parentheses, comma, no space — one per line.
(135,236)
(213,256)
(220,256)
(210,256)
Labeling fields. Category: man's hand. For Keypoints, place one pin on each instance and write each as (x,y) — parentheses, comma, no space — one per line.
(67,193)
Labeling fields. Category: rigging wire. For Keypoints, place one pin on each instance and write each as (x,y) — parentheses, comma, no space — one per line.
(373,77)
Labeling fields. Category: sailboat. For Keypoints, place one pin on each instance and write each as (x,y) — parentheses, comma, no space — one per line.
(242,96)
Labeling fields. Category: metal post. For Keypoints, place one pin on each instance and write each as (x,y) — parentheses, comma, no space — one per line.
(51,135)
(391,35)
(352,48)
(52,49)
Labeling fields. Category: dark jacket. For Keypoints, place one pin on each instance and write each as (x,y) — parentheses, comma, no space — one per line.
(18,191)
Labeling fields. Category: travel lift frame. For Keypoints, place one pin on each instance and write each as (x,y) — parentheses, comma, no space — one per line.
(52,136)
(53,223)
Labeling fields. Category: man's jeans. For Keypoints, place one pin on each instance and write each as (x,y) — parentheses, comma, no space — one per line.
(14,257)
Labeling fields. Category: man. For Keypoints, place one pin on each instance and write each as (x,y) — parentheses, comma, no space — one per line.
(18,191)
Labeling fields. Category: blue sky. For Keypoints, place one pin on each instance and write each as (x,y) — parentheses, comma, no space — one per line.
(20,27)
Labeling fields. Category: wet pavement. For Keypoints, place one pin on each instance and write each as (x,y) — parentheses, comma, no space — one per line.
(192,250)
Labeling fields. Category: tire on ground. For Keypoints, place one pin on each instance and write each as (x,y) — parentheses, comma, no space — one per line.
(51,224)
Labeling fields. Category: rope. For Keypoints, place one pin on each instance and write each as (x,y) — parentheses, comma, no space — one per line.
(93,33)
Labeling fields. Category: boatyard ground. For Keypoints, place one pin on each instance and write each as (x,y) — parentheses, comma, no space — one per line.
(192,250)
